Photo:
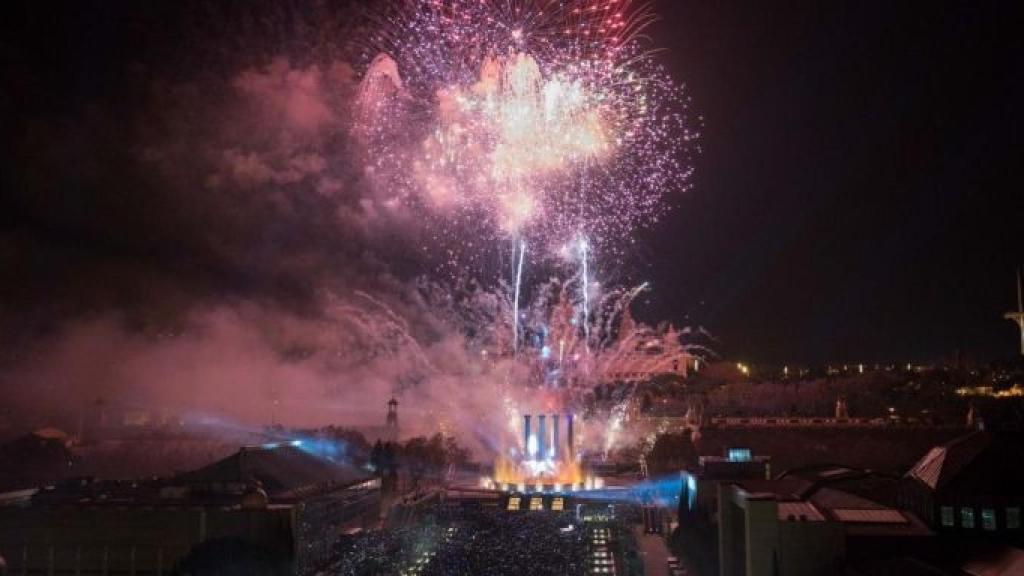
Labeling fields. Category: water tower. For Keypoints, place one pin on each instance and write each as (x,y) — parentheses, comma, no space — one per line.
(392,419)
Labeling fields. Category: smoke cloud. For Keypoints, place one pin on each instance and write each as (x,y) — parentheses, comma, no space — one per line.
(194,231)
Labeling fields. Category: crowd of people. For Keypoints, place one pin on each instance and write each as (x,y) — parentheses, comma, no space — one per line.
(454,540)
(381,552)
(512,543)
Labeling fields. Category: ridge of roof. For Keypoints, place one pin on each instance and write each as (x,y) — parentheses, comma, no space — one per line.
(282,471)
(943,462)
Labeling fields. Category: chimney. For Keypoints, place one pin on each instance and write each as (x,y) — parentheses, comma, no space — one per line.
(570,451)
(526,435)
(556,447)
(541,429)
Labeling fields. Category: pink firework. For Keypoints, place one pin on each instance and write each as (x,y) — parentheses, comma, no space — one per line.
(543,120)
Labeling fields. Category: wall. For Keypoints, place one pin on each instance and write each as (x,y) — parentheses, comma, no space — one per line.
(128,539)
(811,548)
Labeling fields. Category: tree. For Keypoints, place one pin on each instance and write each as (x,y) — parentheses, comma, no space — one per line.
(377,458)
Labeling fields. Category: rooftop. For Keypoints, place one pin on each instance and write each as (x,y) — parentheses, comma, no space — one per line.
(997,458)
(804,511)
(813,495)
(284,471)
(891,450)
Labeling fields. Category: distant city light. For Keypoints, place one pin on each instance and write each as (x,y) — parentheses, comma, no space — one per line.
(1014,391)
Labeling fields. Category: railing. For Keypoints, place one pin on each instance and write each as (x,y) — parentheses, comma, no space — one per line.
(802,422)
(25,560)
(789,422)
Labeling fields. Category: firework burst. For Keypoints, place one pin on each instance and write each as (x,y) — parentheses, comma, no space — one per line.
(540,120)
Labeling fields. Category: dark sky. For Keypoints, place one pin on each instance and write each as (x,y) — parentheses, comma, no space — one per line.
(861,190)
(859,195)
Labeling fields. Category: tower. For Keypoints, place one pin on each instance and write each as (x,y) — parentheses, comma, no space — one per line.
(392,419)
(526,436)
(556,447)
(841,410)
(1018,316)
(541,437)
(570,447)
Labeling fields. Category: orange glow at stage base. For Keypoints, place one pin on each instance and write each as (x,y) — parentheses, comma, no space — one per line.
(531,473)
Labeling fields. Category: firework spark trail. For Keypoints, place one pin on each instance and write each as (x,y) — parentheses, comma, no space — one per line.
(586,292)
(620,302)
(515,306)
(384,330)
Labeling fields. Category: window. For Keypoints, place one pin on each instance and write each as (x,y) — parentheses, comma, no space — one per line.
(967,517)
(739,455)
(513,503)
(946,512)
(536,503)
(1013,517)
(558,504)
(988,519)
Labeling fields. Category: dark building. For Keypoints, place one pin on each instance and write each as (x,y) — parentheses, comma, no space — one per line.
(974,483)
(270,509)
(885,448)
(699,493)
(805,525)
(957,511)
(735,463)
(33,459)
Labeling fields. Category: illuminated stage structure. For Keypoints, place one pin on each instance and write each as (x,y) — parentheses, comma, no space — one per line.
(547,460)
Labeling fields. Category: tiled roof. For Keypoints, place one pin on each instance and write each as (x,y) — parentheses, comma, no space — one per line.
(875,516)
(942,463)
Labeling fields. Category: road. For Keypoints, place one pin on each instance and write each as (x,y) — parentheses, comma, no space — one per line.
(653,551)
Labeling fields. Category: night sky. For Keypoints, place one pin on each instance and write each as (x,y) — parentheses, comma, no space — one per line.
(859,195)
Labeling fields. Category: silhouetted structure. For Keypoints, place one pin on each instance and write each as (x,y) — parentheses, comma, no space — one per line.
(790,527)
(1018,316)
(842,412)
(266,509)
(392,420)
(971,484)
